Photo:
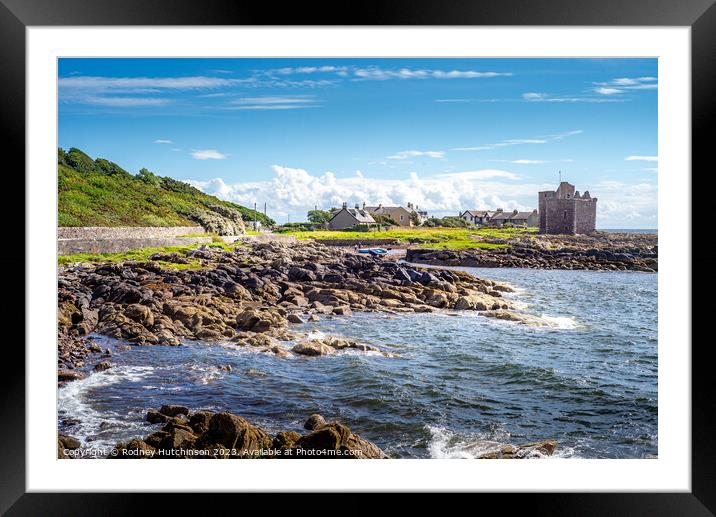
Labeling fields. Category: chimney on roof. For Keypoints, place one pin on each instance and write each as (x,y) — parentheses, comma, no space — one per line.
(363,205)
(498,210)
(357,206)
(345,205)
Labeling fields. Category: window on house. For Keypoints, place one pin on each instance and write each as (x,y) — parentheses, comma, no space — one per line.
(401,217)
(564,216)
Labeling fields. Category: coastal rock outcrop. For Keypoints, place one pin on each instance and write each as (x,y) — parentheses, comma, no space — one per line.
(598,251)
(255,289)
(205,434)
(530,450)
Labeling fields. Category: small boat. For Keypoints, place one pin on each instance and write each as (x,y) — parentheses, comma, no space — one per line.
(373,251)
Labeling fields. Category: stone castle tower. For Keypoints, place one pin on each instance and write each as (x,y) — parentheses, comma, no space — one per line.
(564,211)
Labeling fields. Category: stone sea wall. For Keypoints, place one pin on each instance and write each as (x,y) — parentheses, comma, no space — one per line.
(115,240)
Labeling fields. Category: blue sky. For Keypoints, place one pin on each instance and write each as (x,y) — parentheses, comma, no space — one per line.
(445,134)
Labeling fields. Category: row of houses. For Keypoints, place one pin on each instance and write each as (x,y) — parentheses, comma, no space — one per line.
(407,216)
(499,217)
(370,215)
(563,211)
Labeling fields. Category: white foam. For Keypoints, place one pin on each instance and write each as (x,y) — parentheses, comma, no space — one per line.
(72,401)
(560,322)
(446,444)
(205,374)
(315,334)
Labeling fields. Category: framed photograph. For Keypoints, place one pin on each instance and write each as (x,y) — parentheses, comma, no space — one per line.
(442,236)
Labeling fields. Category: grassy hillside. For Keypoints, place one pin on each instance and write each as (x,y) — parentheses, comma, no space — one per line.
(101,193)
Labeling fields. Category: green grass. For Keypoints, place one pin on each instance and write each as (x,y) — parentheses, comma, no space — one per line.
(195,235)
(142,255)
(433,238)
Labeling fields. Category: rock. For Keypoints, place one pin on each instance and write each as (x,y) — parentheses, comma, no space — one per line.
(342,311)
(338,437)
(300,274)
(68,442)
(312,348)
(294,318)
(285,440)
(140,313)
(199,421)
(207,431)
(102,366)
(530,450)
(155,417)
(178,438)
(70,375)
(314,421)
(325,437)
(134,449)
(259,321)
(173,410)
(225,367)
(233,432)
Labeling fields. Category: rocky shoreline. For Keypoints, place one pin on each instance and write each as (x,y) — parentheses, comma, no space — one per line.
(252,295)
(223,435)
(600,251)
(255,295)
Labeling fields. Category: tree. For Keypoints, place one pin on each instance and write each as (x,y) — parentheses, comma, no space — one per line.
(149,177)
(384,220)
(319,216)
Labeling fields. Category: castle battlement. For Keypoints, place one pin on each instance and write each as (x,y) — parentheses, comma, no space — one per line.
(565,211)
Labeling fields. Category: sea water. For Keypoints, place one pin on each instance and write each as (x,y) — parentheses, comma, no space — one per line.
(450,384)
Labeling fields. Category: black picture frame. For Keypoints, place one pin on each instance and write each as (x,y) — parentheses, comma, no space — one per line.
(700,15)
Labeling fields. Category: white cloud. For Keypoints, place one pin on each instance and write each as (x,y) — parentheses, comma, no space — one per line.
(307,70)
(642,158)
(623,84)
(125,101)
(208,154)
(127,83)
(521,161)
(482,174)
(162,141)
(273,103)
(295,191)
(545,97)
(622,205)
(109,91)
(375,73)
(603,90)
(521,141)
(273,100)
(403,155)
